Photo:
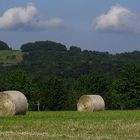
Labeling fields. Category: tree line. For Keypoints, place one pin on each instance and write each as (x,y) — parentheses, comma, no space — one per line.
(55,76)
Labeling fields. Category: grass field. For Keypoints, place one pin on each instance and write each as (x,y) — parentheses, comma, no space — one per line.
(10,57)
(107,125)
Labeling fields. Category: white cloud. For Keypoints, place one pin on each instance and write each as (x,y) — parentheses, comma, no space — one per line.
(117,19)
(22,18)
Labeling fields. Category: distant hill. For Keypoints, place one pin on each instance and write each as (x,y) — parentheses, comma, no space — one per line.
(4,46)
(44,58)
(47,57)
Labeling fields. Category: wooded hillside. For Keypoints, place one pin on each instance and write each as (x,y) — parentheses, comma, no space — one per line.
(56,76)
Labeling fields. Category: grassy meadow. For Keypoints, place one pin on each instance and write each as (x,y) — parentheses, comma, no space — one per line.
(107,125)
(10,57)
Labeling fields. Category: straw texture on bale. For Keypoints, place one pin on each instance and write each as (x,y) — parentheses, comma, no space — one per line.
(90,103)
(13,103)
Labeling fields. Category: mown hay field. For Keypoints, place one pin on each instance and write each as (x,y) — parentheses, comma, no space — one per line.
(106,125)
(10,57)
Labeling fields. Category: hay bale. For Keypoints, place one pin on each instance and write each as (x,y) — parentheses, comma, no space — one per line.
(90,103)
(13,103)
(7,107)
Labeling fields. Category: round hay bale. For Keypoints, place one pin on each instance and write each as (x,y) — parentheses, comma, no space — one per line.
(13,103)
(90,103)
(7,107)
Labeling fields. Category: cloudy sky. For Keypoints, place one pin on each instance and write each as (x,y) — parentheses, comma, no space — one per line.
(101,25)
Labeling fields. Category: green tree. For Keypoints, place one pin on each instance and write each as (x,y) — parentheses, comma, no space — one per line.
(93,83)
(19,80)
(127,88)
(4,46)
(75,50)
(53,93)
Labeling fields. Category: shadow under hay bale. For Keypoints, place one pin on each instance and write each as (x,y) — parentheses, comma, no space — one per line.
(13,103)
(90,103)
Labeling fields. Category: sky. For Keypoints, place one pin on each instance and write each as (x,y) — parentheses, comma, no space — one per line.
(100,25)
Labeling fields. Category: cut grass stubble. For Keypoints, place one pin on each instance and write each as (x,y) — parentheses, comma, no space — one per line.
(114,125)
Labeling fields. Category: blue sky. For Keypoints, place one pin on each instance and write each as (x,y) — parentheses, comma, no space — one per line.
(101,25)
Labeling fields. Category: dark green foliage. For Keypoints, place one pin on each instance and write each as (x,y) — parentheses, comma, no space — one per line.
(4,46)
(18,80)
(53,94)
(55,77)
(94,83)
(43,45)
(126,90)
(48,57)
(74,49)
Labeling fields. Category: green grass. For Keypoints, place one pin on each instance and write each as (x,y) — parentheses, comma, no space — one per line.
(107,125)
(10,57)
